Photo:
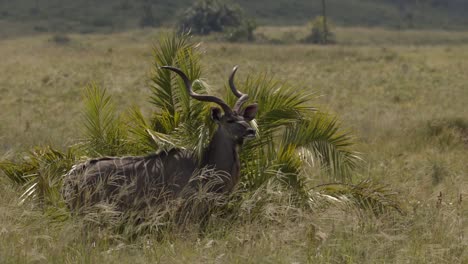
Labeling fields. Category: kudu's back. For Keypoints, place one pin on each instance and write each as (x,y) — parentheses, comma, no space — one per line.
(129,182)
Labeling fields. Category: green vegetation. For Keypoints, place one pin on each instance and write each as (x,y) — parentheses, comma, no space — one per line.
(365,36)
(292,133)
(28,16)
(405,103)
(208,16)
(321,32)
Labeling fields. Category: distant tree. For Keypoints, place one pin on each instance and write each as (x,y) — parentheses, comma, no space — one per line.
(244,32)
(206,16)
(324,15)
(320,32)
(320,29)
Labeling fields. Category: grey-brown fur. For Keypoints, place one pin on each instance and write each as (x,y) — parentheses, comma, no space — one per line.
(138,180)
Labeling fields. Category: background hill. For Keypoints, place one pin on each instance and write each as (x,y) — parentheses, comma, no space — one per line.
(86,16)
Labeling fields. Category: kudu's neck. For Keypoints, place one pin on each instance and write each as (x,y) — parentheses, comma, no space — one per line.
(222,155)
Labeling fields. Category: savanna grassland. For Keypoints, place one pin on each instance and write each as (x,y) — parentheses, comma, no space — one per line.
(33,16)
(403,94)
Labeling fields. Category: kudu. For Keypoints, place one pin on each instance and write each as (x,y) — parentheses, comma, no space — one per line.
(168,172)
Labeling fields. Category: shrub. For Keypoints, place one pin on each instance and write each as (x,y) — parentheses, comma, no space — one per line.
(207,16)
(319,32)
(243,32)
(448,131)
(60,39)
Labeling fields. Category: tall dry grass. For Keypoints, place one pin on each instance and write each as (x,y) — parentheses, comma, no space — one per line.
(405,102)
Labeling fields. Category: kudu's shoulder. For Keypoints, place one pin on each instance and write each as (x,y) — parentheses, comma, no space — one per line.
(174,155)
(173,152)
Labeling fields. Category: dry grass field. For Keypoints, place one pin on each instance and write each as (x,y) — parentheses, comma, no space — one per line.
(403,94)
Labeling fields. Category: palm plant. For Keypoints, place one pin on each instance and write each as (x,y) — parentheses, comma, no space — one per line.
(291,131)
(39,173)
(103,129)
(292,134)
(177,121)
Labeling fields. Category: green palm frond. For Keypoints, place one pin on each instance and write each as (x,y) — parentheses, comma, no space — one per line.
(372,197)
(15,171)
(258,167)
(103,129)
(195,126)
(39,172)
(176,116)
(292,133)
(280,104)
(145,138)
(168,91)
(166,53)
(138,128)
(325,142)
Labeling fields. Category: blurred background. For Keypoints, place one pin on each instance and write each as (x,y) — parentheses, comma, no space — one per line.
(26,17)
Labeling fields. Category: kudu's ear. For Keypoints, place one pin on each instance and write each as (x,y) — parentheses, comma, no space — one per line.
(250,111)
(216,114)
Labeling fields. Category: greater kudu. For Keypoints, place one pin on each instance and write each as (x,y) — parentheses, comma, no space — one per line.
(148,177)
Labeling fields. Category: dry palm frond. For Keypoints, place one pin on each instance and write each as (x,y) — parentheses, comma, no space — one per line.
(368,196)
